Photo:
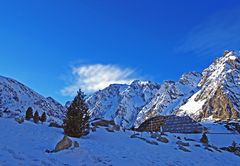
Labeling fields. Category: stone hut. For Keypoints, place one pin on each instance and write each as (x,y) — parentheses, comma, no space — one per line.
(172,124)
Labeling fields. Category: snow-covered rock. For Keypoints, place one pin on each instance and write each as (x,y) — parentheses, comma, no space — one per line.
(15,98)
(219,94)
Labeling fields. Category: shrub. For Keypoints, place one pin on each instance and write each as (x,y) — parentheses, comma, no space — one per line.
(29,113)
(43,117)
(36,117)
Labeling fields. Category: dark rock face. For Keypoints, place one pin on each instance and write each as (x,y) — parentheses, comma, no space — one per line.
(220,107)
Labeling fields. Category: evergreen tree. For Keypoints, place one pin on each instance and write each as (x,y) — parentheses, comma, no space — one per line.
(29,113)
(43,117)
(36,117)
(76,123)
(204,138)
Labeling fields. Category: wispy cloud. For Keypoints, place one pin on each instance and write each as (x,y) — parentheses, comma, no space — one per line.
(221,31)
(94,77)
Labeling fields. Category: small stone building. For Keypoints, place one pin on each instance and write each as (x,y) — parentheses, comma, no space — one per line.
(172,124)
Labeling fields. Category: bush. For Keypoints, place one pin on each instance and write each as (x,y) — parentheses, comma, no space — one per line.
(204,139)
(36,117)
(43,117)
(29,113)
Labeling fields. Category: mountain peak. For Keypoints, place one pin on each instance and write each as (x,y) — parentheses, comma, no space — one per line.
(219,93)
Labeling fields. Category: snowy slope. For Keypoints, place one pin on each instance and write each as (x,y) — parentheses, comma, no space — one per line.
(219,94)
(25,144)
(15,98)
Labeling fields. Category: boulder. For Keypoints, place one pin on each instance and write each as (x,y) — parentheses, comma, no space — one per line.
(183,148)
(163,139)
(152,142)
(182,143)
(110,129)
(65,143)
(134,135)
(19,120)
(103,123)
(155,135)
(76,144)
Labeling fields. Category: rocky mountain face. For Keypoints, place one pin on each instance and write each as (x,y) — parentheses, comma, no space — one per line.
(219,94)
(15,98)
(212,94)
(170,97)
(122,102)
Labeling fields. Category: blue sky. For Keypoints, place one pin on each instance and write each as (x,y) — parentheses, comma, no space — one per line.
(55,47)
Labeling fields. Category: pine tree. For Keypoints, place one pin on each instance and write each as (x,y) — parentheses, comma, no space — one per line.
(36,117)
(29,113)
(76,123)
(43,117)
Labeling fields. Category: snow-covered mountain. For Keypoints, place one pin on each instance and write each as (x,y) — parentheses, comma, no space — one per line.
(122,102)
(15,98)
(214,93)
(170,97)
(219,94)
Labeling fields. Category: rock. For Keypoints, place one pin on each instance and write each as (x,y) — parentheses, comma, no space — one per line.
(65,143)
(94,129)
(152,142)
(19,120)
(134,135)
(109,129)
(237,152)
(163,139)
(180,143)
(189,139)
(209,149)
(54,124)
(116,128)
(155,135)
(215,148)
(179,138)
(76,144)
(103,123)
(183,148)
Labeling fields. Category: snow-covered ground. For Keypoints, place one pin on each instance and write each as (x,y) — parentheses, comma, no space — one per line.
(25,144)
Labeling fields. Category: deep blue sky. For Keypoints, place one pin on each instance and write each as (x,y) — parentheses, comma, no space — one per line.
(41,40)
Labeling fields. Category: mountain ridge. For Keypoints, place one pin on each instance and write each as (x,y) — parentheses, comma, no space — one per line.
(173,97)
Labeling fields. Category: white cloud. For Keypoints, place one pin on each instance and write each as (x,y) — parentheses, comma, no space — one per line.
(91,78)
